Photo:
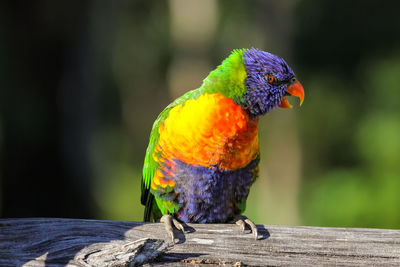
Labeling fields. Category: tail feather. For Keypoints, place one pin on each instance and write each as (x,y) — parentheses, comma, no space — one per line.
(148,208)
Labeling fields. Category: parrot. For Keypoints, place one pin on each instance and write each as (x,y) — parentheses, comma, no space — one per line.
(203,153)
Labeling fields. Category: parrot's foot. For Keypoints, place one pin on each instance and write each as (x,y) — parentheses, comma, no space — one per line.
(169,222)
(242,221)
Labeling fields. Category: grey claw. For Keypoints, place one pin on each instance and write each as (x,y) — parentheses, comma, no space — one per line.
(178,225)
(168,221)
(242,221)
(241,224)
(253,227)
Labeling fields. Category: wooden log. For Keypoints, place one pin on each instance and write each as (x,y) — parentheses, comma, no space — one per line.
(76,242)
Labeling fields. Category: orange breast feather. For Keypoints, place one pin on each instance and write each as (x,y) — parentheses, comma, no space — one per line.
(211,130)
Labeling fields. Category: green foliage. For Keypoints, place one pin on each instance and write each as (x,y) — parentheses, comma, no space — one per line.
(365,192)
(339,198)
(119,196)
(379,143)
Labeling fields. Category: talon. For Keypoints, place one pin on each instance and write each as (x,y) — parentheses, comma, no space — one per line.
(253,227)
(168,221)
(242,221)
(241,224)
(178,225)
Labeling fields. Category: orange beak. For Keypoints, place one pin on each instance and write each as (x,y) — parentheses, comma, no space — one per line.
(295,89)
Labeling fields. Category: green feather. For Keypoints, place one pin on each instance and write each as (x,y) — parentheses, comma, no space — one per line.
(228,78)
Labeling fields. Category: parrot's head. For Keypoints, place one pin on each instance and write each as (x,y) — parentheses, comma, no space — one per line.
(269,80)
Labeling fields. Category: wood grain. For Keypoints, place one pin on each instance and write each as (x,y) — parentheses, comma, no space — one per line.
(78,242)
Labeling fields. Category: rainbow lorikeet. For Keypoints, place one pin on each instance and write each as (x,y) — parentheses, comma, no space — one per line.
(203,153)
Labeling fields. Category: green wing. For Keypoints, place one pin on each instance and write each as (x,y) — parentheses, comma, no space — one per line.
(150,165)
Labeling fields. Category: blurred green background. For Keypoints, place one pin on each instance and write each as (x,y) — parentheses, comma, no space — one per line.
(81,83)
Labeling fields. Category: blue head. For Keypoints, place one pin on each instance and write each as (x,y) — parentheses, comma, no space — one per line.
(269,80)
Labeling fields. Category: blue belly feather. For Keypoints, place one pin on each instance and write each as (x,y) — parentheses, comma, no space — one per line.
(210,195)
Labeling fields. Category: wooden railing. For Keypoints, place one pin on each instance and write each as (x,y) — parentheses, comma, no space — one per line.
(78,242)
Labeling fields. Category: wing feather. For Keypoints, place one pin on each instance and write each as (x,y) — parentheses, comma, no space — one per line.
(150,165)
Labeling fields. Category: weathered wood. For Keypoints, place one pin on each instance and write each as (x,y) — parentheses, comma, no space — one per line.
(72,242)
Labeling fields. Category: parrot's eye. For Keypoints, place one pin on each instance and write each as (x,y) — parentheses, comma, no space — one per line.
(270,78)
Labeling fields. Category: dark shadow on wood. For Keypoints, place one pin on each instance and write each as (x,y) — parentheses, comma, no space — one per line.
(263,232)
(180,236)
(55,241)
(82,240)
(188,228)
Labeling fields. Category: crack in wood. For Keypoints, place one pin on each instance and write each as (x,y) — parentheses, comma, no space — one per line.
(213,262)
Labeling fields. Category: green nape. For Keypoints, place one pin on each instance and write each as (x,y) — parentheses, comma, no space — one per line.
(228,78)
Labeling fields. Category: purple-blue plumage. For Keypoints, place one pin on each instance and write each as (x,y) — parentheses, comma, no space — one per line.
(261,95)
(210,195)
